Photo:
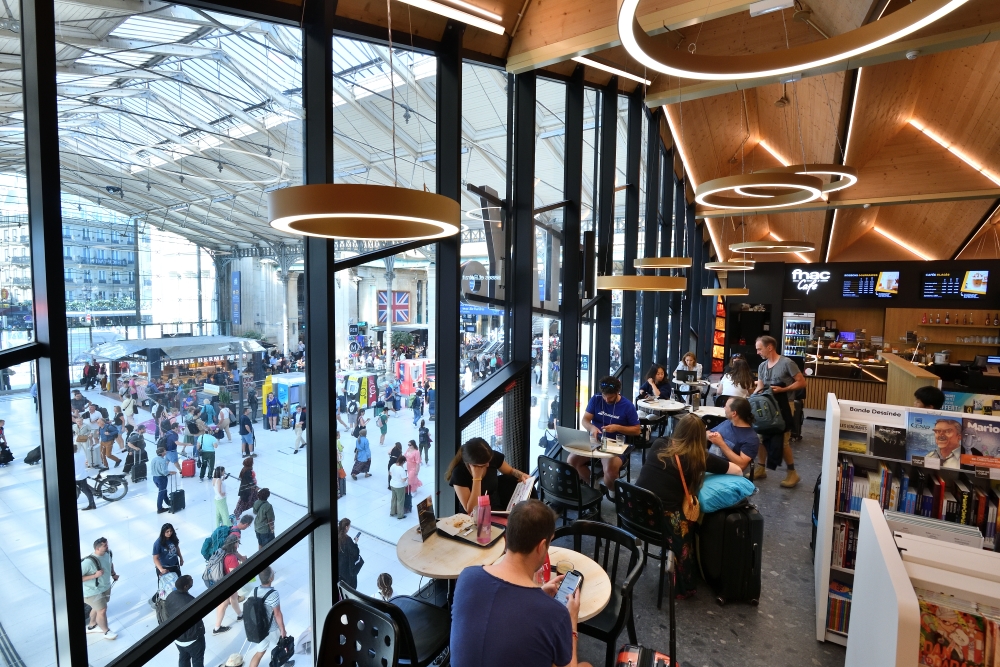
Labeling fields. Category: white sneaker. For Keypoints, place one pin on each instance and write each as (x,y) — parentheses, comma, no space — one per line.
(96,630)
(110,634)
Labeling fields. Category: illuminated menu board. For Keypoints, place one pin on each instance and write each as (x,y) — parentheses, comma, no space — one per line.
(955,285)
(883,284)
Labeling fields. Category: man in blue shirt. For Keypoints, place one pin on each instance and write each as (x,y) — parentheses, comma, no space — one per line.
(502,617)
(108,433)
(159,470)
(735,439)
(611,413)
(170,445)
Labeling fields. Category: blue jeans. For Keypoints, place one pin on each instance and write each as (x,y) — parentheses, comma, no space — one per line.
(161,486)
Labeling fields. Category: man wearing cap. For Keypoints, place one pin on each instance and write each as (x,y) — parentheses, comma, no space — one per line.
(191,643)
(607,413)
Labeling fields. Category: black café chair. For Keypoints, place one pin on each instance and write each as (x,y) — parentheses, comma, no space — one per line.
(424,630)
(612,546)
(640,512)
(560,488)
(355,633)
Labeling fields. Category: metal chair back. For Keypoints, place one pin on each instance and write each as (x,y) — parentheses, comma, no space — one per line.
(559,481)
(358,634)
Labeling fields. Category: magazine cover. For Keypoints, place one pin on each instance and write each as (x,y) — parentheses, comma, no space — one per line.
(980,443)
(935,434)
(889,442)
(853,437)
(950,637)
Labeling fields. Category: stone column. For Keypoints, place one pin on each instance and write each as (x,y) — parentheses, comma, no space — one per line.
(283,277)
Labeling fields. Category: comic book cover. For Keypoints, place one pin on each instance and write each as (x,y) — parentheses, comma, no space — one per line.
(853,437)
(934,432)
(980,443)
(889,442)
(950,637)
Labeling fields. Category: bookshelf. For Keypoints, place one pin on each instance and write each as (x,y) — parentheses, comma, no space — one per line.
(839,531)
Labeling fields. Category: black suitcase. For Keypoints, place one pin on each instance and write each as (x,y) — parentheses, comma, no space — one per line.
(729,545)
(5,456)
(176,498)
(34,456)
(138,472)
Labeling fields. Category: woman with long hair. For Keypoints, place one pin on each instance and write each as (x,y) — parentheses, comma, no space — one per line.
(661,475)
(476,470)
(221,504)
(273,411)
(119,421)
(656,385)
(167,552)
(248,487)
(232,560)
(688,363)
(349,559)
(412,457)
(737,381)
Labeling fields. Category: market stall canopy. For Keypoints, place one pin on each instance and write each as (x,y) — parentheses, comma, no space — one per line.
(188,347)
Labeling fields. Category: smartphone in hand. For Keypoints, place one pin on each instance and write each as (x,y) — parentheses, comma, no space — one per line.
(358,536)
(570,583)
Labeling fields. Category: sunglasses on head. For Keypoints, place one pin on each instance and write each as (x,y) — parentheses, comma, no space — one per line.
(609,387)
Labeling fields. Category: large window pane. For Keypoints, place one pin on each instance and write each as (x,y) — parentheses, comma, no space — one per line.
(618,243)
(26,615)
(173,127)
(393,404)
(484,227)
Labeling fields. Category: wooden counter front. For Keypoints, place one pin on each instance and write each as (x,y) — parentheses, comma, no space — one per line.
(849,390)
(904,379)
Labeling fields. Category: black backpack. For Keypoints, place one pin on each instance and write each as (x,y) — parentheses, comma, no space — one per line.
(767,419)
(256,617)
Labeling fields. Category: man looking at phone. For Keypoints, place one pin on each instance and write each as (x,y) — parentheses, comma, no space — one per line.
(502,617)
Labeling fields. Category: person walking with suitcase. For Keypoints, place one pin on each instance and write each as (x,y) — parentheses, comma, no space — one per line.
(226,417)
(191,643)
(98,570)
(160,471)
(263,620)
(674,471)
(784,378)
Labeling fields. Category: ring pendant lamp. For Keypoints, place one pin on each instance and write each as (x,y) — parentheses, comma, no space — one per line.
(730,265)
(725,291)
(772,247)
(361,211)
(767,190)
(662,263)
(662,56)
(642,283)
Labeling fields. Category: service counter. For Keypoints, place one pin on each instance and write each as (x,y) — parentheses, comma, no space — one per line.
(905,378)
(849,380)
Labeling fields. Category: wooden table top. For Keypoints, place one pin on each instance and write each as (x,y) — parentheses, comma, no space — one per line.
(589,453)
(596,591)
(660,405)
(440,557)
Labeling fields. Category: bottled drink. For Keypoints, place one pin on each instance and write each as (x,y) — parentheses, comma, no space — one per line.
(923,320)
(996,320)
(484,530)
(938,319)
(964,320)
(947,318)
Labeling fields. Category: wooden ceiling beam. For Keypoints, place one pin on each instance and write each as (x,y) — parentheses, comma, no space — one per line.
(890,200)
(662,92)
(556,30)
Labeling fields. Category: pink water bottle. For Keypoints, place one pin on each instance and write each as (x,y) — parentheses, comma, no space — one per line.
(484,516)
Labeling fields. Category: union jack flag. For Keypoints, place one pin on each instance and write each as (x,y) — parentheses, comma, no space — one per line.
(400,307)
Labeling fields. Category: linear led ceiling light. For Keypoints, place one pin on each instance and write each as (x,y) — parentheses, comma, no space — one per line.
(358,211)
(613,70)
(458,14)
(904,246)
(642,283)
(662,263)
(661,55)
(954,151)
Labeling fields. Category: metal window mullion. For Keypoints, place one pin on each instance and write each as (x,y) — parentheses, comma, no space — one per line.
(41,138)
(688,310)
(321,366)
(676,298)
(664,300)
(572,258)
(605,223)
(649,242)
(448,89)
(633,154)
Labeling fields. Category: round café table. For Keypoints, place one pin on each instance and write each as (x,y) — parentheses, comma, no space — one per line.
(590,454)
(440,557)
(596,591)
(710,411)
(661,406)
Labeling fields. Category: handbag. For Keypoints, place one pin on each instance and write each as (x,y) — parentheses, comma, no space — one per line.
(357,430)
(341,473)
(81,438)
(690,506)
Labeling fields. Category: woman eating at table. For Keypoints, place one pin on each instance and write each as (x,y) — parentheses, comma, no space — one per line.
(660,474)
(476,470)
(656,385)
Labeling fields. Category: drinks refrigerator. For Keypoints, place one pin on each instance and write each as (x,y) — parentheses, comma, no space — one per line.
(796,330)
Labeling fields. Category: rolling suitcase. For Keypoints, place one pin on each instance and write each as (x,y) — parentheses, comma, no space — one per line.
(632,655)
(34,457)
(729,546)
(94,456)
(176,496)
(5,456)
(187,468)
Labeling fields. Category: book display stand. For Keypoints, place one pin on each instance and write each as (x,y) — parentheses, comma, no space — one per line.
(909,463)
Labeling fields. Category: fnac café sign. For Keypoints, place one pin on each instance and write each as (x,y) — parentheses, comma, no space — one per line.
(809,281)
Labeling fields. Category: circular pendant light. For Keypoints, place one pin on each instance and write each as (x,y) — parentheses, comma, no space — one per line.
(772,247)
(848,175)
(642,283)
(662,56)
(663,263)
(366,212)
(726,291)
(730,265)
(761,190)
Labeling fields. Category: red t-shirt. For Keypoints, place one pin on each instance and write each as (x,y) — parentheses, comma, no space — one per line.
(230,563)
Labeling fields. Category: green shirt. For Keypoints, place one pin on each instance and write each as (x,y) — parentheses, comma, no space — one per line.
(93,587)
(265,516)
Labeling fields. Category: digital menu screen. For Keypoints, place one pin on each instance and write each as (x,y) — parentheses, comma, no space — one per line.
(955,285)
(884,284)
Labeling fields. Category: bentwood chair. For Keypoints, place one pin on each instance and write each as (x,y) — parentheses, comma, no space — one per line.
(424,630)
(640,512)
(612,547)
(358,634)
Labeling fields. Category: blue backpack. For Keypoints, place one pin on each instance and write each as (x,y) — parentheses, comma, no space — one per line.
(214,541)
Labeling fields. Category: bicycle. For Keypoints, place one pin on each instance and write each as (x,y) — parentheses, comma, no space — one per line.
(110,488)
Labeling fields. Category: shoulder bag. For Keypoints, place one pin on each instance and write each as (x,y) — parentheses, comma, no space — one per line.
(690,507)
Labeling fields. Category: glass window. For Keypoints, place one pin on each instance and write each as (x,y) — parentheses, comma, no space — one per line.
(618,242)
(172,130)
(387,406)
(484,225)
